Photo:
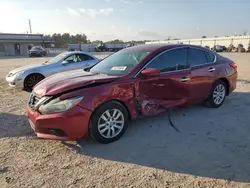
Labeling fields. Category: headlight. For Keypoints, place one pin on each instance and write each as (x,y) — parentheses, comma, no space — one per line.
(15,74)
(56,105)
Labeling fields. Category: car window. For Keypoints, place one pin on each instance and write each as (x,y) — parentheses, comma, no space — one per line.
(73,59)
(170,60)
(85,57)
(196,57)
(210,57)
(56,59)
(35,48)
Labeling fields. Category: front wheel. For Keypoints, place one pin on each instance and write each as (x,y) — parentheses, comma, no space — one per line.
(109,122)
(218,94)
(31,80)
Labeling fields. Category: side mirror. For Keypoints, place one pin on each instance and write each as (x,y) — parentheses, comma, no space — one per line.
(64,62)
(151,72)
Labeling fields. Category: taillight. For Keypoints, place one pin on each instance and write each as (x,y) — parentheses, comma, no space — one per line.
(233,65)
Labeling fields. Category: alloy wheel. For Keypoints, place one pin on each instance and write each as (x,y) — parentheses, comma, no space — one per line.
(32,81)
(219,94)
(111,123)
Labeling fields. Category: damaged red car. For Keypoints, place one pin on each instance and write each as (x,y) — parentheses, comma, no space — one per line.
(135,82)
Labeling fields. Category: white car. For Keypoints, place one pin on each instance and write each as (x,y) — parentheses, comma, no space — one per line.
(28,76)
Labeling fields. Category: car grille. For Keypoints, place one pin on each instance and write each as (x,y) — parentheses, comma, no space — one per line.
(33,100)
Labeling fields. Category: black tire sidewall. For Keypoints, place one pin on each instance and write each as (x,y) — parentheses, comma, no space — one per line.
(26,87)
(93,127)
(210,101)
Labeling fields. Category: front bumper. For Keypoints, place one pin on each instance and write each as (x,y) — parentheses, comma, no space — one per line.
(15,81)
(69,125)
(34,54)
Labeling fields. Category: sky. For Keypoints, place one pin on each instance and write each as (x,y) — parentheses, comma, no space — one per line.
(127,19)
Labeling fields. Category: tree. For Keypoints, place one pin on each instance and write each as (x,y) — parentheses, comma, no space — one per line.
(204,37)
(62,41)
(96,42)
(47,36)
(116,41)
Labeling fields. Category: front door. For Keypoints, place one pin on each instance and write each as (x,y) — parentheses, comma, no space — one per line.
(203,73)
(170,89)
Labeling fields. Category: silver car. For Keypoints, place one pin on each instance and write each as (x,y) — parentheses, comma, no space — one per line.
(28,76)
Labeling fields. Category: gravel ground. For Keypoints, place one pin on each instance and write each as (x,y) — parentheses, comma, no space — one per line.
(211,150)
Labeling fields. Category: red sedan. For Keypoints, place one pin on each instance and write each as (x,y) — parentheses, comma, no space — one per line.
(135,82)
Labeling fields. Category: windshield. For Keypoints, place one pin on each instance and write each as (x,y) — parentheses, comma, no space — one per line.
(120,63)
(55,59)
(35,48)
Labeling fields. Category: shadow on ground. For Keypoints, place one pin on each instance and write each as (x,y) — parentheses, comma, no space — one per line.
(211,142)
(12,125)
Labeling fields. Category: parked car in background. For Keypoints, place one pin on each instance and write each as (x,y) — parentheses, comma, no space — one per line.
(130,45)
(102,47)
(219,48)
(37,51)
(28,76)
(248,49)
(240,48)
(135,82)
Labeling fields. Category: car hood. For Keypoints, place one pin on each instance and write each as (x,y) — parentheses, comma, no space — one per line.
(63,82)
(24,68)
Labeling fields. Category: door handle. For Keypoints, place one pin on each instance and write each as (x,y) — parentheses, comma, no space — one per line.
(184,79)
(211,69)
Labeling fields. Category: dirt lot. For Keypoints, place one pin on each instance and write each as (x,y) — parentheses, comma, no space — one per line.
(211,150)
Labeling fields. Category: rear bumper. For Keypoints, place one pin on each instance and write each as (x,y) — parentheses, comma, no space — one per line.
(232,81)
(69,125)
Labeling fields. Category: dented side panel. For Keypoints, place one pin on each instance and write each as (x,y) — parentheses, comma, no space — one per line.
(95,96)
(159,94)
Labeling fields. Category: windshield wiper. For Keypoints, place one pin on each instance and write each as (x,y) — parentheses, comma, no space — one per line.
(135,59)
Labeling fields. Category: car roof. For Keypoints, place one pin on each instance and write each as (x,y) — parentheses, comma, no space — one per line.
(76,52)
(160,46)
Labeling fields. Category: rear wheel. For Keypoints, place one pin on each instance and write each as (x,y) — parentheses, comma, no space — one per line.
(31,80)
(109,122)
(217,95)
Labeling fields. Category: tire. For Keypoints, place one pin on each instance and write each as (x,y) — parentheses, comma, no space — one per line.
(216,100)
(101,129)
(31,80)
(42,54)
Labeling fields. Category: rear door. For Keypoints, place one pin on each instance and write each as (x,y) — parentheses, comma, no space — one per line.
(170,89)
(203,73)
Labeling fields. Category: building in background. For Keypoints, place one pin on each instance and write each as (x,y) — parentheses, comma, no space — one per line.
(19,44)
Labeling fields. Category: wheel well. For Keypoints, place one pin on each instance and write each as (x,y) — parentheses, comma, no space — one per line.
(119,101)
(124,104)
(36,73)
(227,84)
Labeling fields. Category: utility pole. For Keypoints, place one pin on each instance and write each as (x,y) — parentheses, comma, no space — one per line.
(30,26)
